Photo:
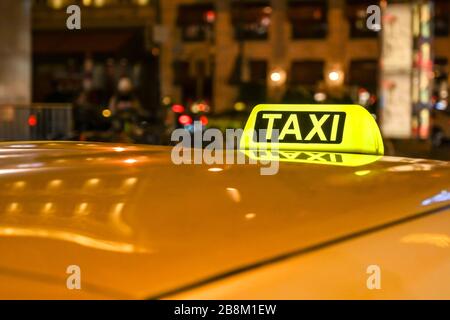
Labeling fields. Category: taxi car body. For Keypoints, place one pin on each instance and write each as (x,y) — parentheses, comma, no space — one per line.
(138,226)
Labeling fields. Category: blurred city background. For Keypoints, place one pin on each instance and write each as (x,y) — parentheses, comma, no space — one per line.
(138,69)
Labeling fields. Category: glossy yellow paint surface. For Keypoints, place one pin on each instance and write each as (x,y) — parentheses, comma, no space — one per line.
(413,258)
(139,226)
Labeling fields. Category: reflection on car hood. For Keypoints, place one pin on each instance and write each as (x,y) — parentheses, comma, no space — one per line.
(138,225)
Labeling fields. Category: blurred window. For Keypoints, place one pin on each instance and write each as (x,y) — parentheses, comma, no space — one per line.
(442,17)
(307,72)
(181,71)
(258,71)
(196,21)
(194,79)
(441,68)
(363,73)
(251,19)
(308,18)
(357,18)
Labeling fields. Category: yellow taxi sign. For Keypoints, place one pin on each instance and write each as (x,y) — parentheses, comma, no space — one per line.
(326,128)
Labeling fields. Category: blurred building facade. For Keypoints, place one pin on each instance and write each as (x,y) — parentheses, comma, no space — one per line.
(227,51)
(115,41)
(15,53)
(221,51)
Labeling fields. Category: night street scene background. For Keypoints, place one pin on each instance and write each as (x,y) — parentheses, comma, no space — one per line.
(136,70)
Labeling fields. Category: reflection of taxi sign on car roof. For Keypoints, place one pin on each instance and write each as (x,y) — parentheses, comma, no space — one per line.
(333,158)
(326,128)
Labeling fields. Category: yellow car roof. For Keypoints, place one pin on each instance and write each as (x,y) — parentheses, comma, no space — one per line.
(139,226)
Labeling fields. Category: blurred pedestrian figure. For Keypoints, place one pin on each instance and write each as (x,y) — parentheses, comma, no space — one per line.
(126,112)
(86,109)
(124,99)
(57,94)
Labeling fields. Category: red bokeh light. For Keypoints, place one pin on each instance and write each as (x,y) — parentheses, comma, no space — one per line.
(210,16)
(204,120)
(185,119)
(201,107)
(178,108)
(32,120)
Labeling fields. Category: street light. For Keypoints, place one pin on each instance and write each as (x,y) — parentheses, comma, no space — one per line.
(275,76)
(334,76)
(278,76)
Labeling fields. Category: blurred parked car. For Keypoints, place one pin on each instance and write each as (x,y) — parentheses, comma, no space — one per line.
(440,131)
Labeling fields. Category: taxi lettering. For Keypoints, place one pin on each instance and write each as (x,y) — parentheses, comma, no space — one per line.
(302,127)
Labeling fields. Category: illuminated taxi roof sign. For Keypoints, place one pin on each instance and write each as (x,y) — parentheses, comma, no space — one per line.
(326,128)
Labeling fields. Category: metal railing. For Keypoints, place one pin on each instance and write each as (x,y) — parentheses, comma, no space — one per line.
(39,121)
